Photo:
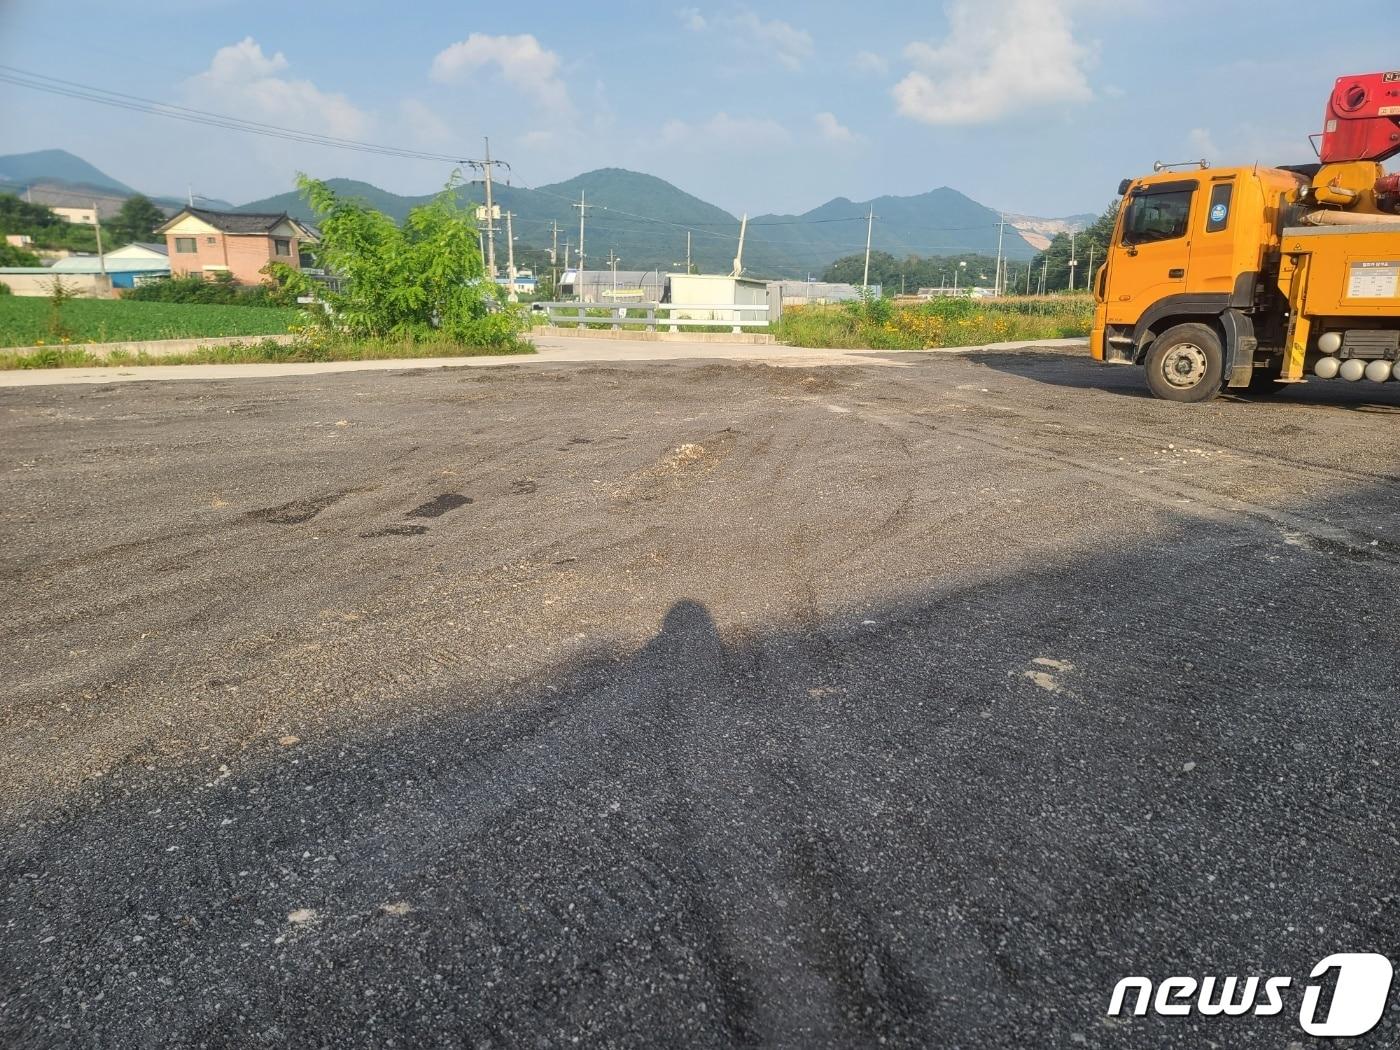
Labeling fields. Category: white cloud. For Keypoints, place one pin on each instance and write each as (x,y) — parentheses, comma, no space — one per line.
(692,19)
(832,130)
(538,140)
(1203,143)
(870,62)
(423,123)
(723,131)
(788,45)
(521,61)
(243,79)
(1000,56)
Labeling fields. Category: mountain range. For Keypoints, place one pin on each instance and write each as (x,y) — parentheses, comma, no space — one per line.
(56,177)
(644,221)
(641,219)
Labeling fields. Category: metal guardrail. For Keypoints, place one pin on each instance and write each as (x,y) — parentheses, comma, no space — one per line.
(671,316)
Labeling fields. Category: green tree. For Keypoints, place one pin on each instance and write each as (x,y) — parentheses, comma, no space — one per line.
(915,272)
(18,216)
(44,226)
(1091,243)
(12,256)
(421,281)
(136,221)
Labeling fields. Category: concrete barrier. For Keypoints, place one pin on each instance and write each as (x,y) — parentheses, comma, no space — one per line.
(750,338)
(153,347)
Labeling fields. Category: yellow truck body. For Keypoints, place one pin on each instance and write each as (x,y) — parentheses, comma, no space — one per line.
(1232,278)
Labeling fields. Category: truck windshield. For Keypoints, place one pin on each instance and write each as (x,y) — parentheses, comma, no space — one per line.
(1157,217)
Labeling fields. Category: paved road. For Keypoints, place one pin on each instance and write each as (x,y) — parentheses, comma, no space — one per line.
(688,704)
(552,349)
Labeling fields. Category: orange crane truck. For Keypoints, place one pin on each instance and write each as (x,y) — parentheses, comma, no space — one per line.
(1254,278)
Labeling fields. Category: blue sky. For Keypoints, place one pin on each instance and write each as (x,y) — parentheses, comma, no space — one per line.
(1033,106)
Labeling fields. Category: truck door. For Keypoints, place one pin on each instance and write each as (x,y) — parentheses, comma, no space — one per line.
(1152,257)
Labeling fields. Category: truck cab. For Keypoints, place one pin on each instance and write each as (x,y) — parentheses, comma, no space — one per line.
(1190,287)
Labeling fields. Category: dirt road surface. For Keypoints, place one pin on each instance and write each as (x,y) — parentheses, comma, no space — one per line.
(689,703)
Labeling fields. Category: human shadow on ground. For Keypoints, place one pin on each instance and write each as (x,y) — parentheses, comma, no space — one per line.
(958,820)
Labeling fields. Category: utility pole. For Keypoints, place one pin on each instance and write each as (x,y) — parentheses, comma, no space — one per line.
(1089,281)
(687,251)
(1073,259)
(613,260)
(97,225)
(582,207)
(739,256)
(869,232)
(554,260)
(1001,237)
(1044,271)
(486,166)
(510,257)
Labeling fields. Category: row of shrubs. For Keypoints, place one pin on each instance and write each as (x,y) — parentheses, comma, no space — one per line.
(881,324)
(220,290)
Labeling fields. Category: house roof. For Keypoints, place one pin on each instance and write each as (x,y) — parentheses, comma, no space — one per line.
(138,248)
(235,222)
(90,264)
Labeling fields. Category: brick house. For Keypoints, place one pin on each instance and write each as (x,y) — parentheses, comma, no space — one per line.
(205,243)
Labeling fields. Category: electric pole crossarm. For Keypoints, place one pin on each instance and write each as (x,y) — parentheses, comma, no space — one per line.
(487,167)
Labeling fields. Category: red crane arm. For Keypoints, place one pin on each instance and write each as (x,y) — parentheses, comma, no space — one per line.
(1363,119)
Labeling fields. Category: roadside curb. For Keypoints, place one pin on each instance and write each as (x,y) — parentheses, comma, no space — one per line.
(154,347)
(776,355)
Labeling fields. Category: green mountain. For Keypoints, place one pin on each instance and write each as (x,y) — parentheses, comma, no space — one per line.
(294,204)
(644,220)
(60,168)
(941,222)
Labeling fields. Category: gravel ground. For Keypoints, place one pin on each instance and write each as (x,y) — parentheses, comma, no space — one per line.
(695,704)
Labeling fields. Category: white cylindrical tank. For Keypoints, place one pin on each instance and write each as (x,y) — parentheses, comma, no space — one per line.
(1352,370)
(1395,372)
(1328,368)
(1378,371)
(1330,343)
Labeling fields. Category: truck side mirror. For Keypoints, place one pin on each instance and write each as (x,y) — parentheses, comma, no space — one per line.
(1124,187)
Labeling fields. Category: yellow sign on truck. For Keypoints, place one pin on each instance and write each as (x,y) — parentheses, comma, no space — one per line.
(1255,278)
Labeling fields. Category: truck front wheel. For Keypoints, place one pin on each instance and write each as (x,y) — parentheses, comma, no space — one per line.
(1187,364)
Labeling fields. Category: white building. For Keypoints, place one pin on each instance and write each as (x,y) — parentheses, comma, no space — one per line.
(713,290)
(79,216)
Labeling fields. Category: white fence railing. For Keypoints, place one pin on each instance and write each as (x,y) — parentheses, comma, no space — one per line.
(650,316)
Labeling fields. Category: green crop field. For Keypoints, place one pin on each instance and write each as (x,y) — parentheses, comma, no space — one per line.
(27,321)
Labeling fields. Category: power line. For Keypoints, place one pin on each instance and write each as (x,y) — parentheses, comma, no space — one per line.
(486,166)
(135,103)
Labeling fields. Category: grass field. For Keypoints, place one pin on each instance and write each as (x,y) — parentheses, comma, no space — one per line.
(881,325)
(25,321)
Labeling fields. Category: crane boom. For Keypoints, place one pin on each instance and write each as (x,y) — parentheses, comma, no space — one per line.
(1363,119)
